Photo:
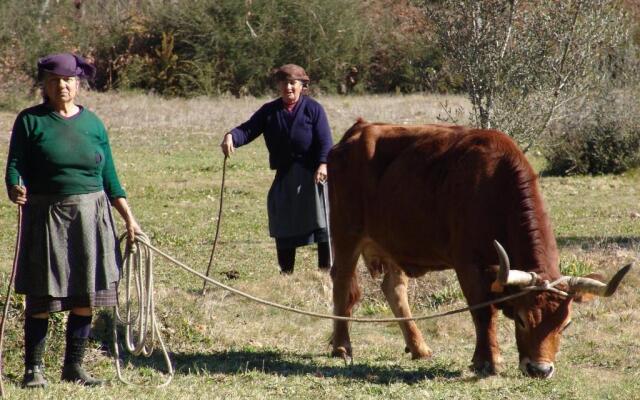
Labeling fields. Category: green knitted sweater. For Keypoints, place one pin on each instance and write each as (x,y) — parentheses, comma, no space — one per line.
(61,156)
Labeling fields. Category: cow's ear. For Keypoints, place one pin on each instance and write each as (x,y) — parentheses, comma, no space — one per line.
(508,312)
(587,297)
(583,297)
(496,286)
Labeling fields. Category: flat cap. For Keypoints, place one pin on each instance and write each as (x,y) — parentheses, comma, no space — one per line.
(290,71)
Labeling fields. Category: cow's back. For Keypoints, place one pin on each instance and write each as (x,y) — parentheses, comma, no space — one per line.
(435,195)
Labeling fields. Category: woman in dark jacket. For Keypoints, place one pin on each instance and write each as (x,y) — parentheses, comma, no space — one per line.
(69,258)
(297,134)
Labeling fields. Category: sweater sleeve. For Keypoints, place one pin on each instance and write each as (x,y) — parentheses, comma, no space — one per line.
(17,148)
(110,179)
(251,129)
(322,132)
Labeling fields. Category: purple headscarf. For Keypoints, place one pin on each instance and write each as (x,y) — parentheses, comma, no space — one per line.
(66,64)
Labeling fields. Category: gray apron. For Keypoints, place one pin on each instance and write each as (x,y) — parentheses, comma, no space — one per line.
(68,246)
(294,204)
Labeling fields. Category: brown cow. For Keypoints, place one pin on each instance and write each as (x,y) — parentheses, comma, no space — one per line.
(414,199)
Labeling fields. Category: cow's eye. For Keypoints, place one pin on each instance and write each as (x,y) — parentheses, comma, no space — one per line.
(565,326)
(520,321)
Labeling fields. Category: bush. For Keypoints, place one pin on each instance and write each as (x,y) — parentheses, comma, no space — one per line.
(15,85)
(605,141)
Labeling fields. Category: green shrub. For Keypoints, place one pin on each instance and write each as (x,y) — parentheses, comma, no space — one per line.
(606,141)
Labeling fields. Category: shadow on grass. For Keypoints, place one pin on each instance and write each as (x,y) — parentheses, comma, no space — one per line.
(590,243)
(283,364)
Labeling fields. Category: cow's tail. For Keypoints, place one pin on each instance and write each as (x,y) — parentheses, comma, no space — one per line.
(354,292)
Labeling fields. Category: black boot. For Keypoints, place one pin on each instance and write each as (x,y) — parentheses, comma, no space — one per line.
(34,377)
(286,260)
(72,370)
(34,367)
(35,342)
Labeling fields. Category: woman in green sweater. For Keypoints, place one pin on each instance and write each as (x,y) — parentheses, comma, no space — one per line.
(69,259)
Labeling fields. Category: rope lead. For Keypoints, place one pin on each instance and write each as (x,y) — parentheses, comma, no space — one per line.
(215,239)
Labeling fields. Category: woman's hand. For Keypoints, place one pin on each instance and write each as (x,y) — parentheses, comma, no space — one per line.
(18,194)
(131,224)
(227,145)
(132,229)
(321,174)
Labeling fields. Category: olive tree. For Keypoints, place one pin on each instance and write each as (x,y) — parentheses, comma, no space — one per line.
(524,61)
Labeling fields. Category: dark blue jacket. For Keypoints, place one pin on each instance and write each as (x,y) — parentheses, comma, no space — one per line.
(302,136)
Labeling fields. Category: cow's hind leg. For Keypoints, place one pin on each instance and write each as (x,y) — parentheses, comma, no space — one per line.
(394,287)
(346,293)
(486,357)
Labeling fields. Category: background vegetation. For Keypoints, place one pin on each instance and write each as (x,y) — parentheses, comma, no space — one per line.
(167,155)
(560,77)
(204,47)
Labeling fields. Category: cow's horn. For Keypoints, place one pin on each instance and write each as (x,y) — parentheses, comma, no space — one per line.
(588,285)
(506,276)
(503,258)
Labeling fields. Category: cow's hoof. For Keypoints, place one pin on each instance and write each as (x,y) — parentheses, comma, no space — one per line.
(484,368)
(343,353)
(421,353)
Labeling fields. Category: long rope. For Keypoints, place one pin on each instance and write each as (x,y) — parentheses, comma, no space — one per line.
(143,240)
(138,267)
(215,239)
(5,310)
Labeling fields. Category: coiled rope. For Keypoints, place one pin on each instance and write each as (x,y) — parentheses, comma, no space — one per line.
(138,267)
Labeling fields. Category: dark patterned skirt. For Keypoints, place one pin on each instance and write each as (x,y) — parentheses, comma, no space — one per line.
(69,255)
(42,304)
(296,208)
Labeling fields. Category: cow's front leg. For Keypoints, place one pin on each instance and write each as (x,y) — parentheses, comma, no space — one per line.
(486,357)
(346,294)
(394,287)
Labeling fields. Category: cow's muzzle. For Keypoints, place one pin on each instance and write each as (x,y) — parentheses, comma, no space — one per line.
(541,370)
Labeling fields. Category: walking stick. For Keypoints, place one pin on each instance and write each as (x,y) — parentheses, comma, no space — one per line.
(215,240)
(325,203)
(5,311)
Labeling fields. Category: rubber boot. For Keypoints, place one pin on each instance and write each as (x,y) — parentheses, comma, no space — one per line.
(286,260)
(72,370)
(35,342)
(34,367)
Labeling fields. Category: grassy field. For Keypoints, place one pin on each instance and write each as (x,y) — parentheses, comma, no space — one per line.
(223,346)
